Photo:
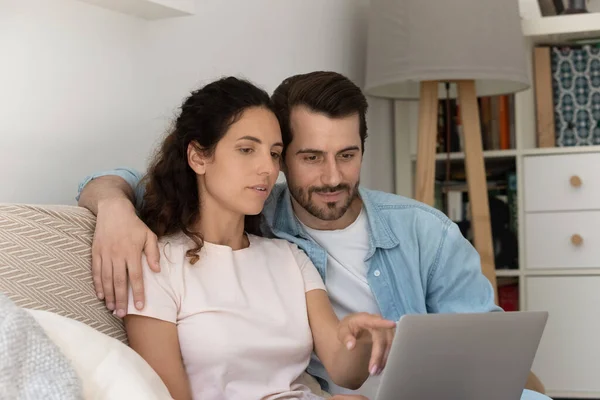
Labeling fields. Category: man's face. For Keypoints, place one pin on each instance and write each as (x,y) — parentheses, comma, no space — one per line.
(323,162)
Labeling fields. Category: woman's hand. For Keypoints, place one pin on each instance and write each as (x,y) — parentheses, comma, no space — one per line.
(350,349)
(372,328)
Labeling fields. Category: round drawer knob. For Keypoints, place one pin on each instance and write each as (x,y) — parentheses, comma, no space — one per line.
(575,181)
(577,240)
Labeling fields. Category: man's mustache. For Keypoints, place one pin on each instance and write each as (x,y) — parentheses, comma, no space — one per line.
(330,189)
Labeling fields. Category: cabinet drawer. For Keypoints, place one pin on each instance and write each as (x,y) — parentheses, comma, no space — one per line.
(568,357)
(562,182)
(563,240)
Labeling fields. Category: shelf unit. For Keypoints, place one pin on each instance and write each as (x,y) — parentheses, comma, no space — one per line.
(515,153)
(148,9)
(488,154)
(570,349)
(563,28)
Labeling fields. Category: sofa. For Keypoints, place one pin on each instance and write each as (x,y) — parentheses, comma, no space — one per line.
(45,258)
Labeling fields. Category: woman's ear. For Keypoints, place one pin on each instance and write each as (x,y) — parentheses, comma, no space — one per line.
(196,159)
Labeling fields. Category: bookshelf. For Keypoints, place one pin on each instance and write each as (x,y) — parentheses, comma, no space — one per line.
(488,154)
(562,29)
(561,150)
(569,354)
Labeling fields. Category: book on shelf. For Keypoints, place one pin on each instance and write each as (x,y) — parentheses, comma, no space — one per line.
(497,116)
(508,294)
(452,198)
(550,8)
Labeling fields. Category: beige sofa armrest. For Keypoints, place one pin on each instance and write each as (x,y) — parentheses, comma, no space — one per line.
(45,263)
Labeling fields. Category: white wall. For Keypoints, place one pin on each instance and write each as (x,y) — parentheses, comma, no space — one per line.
(69,91)
(84,88)
(378,165)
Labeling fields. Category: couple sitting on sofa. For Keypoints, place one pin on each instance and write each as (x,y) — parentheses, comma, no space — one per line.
(248,277)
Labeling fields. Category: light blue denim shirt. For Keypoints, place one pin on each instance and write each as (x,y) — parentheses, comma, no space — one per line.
(418,260)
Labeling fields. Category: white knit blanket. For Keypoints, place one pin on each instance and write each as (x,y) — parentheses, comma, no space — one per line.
(31,365)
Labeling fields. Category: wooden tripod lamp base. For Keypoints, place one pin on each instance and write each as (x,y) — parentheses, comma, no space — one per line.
(474,165)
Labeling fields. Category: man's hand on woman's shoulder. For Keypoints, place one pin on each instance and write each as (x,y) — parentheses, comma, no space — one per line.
(120,238)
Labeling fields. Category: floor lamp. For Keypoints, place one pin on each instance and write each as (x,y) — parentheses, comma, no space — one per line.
(415,47)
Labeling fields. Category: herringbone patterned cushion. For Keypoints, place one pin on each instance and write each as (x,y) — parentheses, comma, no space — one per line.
(45,263)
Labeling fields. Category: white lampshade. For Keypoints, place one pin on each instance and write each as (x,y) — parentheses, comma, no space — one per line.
(410,41)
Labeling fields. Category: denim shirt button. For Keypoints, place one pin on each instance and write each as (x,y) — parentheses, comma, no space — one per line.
(376,273)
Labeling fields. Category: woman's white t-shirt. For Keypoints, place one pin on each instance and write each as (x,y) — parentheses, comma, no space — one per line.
(241,315)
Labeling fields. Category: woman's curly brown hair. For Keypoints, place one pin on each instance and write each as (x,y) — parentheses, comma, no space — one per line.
(171,200)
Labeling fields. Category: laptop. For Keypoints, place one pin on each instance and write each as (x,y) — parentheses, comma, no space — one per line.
(462,356)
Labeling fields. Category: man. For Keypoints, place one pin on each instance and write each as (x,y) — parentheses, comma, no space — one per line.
(377,252)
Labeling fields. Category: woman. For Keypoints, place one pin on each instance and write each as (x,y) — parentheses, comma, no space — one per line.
(233,315)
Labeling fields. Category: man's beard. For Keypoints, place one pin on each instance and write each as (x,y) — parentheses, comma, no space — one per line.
(332,211)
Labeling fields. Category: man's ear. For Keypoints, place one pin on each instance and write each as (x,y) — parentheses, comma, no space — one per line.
(196,159)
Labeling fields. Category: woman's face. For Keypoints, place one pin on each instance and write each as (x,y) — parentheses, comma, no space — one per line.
(245,165)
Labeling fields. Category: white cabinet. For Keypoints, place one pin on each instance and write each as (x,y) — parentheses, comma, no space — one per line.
(568,358)
(561,267)
(560,235)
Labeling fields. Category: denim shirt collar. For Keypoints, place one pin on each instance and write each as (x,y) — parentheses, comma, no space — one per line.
(380,234)
(379,229)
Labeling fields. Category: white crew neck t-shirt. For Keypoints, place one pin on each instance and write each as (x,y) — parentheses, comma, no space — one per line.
(347,284)
(241,316)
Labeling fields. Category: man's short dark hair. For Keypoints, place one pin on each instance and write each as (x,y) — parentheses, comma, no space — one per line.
(325,92)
